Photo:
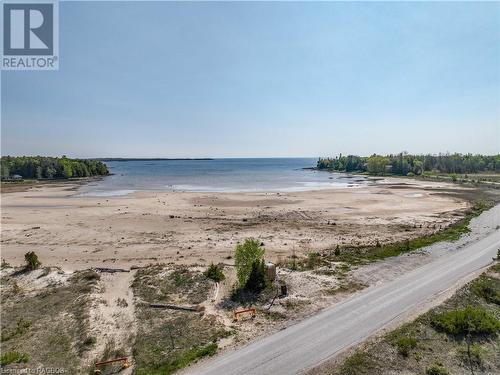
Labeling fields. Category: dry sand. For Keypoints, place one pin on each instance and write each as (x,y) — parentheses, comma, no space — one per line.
(76,232)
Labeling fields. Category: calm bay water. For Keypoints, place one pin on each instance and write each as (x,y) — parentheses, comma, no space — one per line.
(218,175)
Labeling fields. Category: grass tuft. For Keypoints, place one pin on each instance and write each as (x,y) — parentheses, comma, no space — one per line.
(181,361)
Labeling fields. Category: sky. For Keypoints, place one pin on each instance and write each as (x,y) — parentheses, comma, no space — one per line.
(278,79)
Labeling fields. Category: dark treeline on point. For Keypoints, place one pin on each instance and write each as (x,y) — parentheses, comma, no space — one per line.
(42,167)
(405,164)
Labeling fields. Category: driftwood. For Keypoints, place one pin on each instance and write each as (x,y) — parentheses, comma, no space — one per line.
(110,270)
(175,307)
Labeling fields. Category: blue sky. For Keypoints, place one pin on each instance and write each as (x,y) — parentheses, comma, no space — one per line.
(261,80)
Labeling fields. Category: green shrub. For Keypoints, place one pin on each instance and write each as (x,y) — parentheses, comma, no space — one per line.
(13,357)
(182,360)
(215,273)
(436,369)
(471,320)
(359,363)
(32,262)
(487,288)
(21,328)
(405,344)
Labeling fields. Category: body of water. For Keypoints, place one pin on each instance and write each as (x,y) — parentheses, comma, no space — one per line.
(218,175)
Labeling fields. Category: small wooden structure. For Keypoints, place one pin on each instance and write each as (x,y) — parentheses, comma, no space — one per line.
(271,271)
(124,360)
(237,313)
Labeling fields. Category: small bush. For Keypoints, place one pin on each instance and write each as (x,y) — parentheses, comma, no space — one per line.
(215,273)
(436,369)
(313,261)
(473,320)
(181,278)
(21,328)
(32,262)
(90,341)
(13,357)
(487,288)
(405,344)
(359,363)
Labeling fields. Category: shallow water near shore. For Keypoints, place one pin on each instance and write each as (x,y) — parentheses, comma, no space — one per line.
(217,175)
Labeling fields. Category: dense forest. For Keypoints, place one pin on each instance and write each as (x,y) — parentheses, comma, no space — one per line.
(41,167)
(405,164)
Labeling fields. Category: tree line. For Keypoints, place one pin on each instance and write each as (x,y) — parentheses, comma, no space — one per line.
(42,167)
(404,164)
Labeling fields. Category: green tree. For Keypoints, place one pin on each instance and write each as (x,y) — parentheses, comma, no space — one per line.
(39,173)
(66,170)
(257,281)
(418,167)
(50,172)
(246,255)
(377,164)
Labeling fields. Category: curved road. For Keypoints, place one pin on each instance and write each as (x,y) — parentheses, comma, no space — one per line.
(302,346)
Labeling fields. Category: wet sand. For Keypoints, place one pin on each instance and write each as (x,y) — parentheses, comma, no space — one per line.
(76,232)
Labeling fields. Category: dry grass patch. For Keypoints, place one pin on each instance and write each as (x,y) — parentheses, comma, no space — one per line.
(45,327)
(168,340)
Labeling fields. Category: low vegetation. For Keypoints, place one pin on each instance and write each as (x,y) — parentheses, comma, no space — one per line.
(458,337)
(365,254)
(32,262)
(168,340)
(215,273)
(48,325)
(436,369)
(13,357)
(359,363)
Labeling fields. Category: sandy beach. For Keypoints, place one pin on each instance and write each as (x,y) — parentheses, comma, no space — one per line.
(78,232)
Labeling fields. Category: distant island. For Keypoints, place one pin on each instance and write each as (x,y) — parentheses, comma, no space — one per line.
(148,159)
(43,167)
(404,164)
